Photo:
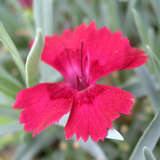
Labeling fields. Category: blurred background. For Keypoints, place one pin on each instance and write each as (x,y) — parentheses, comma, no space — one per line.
(137,19)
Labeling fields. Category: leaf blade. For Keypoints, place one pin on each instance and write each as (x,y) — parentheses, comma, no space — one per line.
(48,21)
(149,86)
(153,131)
(93,148)
(33,60)
(148,155)
(114,134)
(6,40)
(10,128)
(140,26)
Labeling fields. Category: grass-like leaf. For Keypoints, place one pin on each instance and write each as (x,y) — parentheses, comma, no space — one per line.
(93,148)
(38,13)
(8,43)
(148,83)
(48,20)
(155,61)
(8,112)
(149,138)
(28,150)
(7,79)
(113,15)
(10,128)
(156,4)
(86,8)
(140,26)
(41,11)
(114,134)
(148,155)
(33,61)
(9,85)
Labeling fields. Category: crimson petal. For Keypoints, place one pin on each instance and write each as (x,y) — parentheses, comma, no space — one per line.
(94,110)
(43,105)
(110,52)
(64,52)
(104,52)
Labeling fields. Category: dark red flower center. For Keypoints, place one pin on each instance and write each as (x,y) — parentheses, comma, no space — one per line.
(78,67)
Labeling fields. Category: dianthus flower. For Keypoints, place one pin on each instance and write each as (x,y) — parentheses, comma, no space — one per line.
(26,3)
(82,56)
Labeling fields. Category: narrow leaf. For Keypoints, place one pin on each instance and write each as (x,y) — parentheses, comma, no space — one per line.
(9,85)
(10,128)
(142,72)
(7,79)
(113,15)
(7,92)
(86,8)
(6,40)
(148,155)
(5,99)
(114,134)
(38,13)
(33,60)
(8,112)
(7,17)
(151,38)
(155,61)
(43,15)
(28,151)
(104,13)
(93,148)
(131,5)
(48,17)
(156,4)
(149,85)
(153,131)
(140,26)
(134,86)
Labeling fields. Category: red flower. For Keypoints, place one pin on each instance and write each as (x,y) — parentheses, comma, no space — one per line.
(26,3)
(82,56)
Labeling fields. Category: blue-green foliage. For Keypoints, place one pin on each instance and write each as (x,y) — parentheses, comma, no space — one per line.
(138,19)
